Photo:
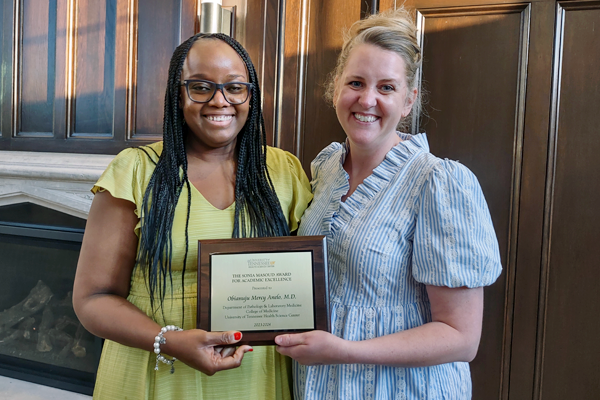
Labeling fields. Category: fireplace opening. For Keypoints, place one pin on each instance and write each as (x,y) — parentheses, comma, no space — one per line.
(41,339)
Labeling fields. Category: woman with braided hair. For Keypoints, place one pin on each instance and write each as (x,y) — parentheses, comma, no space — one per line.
(212,177)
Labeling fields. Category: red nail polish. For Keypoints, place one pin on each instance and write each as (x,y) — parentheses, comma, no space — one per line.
(251,350)
(237,336)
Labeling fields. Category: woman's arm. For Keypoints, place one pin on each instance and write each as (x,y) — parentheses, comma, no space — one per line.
(101,288)
(452,335)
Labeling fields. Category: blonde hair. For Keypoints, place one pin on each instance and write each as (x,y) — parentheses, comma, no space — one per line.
(392,30)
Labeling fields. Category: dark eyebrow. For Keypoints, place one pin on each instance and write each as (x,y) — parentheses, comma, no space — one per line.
(236,77)
(229,78)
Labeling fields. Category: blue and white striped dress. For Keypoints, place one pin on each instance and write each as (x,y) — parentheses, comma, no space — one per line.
(417,220)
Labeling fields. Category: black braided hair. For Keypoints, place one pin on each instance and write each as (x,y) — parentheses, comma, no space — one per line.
(257,209)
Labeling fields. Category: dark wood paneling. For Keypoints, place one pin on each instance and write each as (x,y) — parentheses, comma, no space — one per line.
(95,68)
(531,206)
(293,74)
(255,45)
(271,66)
(268,68)
(76,145)
(154,50)
(261,42)
(368,7)
(110,69)
(124,54)
(474,78)
(571,347)
(280,66)
(189,23)
(36,67)
(62,101)
(319,124)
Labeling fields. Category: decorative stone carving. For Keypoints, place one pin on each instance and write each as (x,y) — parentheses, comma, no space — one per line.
(59,181)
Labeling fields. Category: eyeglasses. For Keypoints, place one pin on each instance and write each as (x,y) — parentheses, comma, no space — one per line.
(201,91)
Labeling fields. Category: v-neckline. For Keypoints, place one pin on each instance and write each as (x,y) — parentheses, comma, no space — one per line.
(194,188)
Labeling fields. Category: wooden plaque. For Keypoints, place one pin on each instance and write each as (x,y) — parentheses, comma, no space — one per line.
(263,287)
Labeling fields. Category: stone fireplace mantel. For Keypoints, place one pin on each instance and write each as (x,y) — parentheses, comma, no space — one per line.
(60,181)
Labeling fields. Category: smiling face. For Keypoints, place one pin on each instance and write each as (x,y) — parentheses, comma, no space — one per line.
(217,123)
(371,97)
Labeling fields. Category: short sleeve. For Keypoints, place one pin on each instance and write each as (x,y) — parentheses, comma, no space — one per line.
(122,177)
(302,194)
(454,243)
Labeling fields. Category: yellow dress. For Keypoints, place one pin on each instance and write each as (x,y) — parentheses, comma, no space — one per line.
(128,373)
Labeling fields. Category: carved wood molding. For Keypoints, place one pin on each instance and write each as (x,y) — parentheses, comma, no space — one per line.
(292,81)
(495,9)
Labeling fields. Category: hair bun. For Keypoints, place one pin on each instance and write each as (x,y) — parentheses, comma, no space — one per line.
(392,30)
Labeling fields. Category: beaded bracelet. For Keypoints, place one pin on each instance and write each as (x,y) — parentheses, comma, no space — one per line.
(160,339)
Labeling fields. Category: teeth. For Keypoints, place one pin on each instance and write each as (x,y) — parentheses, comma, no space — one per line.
(219,117)
(365,118)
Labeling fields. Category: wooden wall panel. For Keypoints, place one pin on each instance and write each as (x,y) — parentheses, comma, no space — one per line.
(319,124)
(570,362)
(270,66)
(154,50)
(104,68)
(124,55)
(288,57)
(475,114)
(518,382)
(260,39)
(95,67)
(37,31)
(291,88)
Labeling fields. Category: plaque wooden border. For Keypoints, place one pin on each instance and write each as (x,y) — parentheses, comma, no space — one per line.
(315,244)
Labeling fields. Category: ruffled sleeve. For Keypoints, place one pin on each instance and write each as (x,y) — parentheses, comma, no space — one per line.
(454,244)
(121,177)
(302,194)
